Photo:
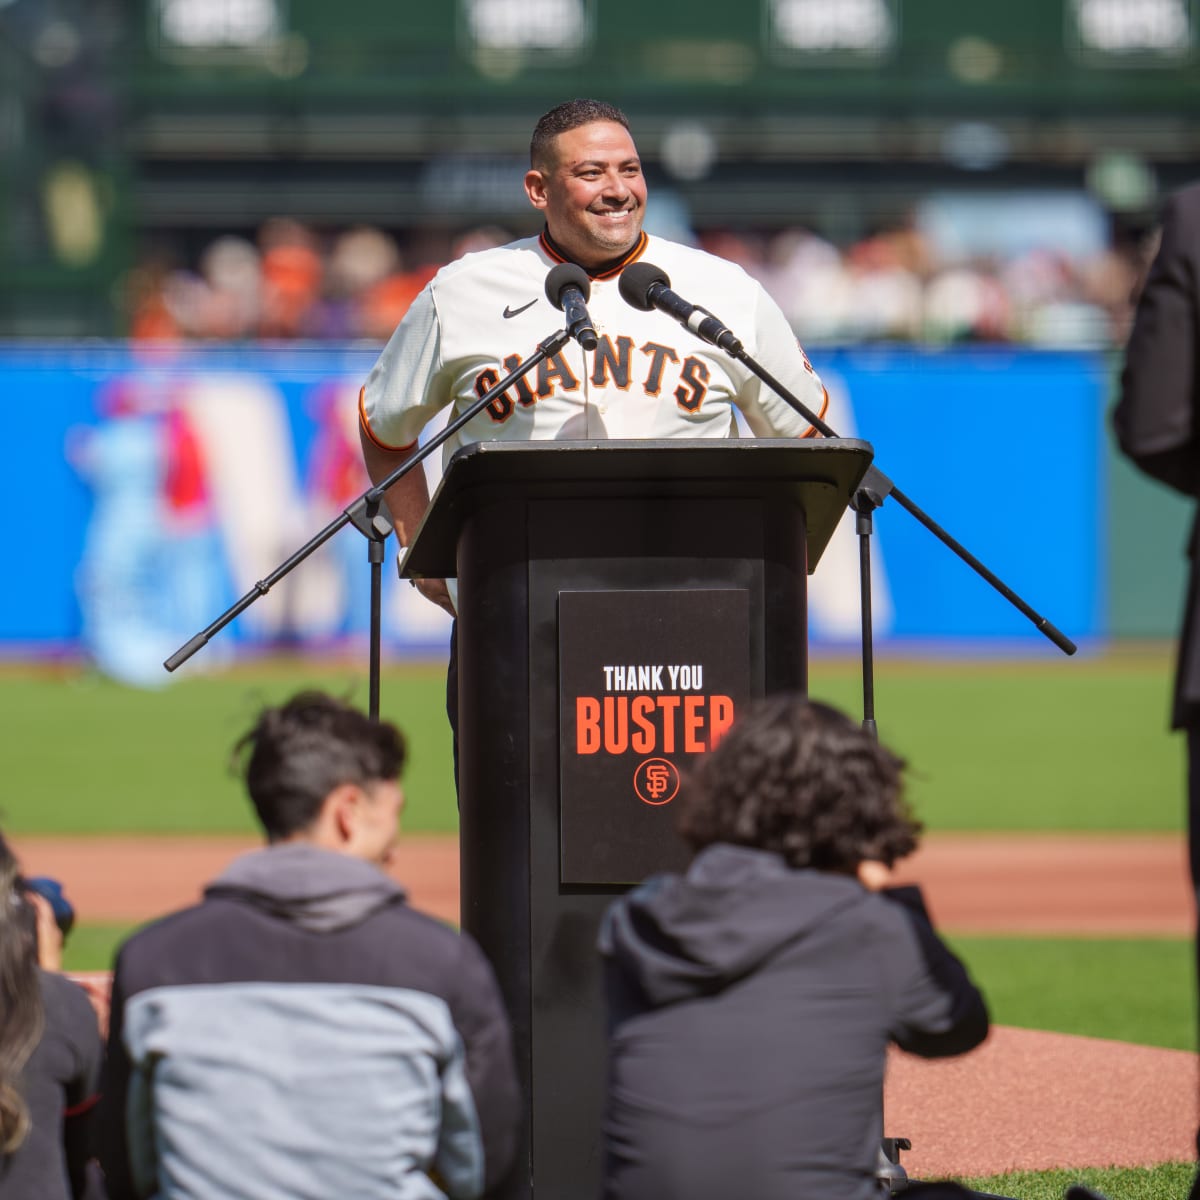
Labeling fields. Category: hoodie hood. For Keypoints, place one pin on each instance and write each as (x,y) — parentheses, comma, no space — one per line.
(319,890)
(682,936)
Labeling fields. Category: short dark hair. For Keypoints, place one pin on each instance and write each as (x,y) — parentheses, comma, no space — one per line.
(570,115)
(299,752)
(803,780)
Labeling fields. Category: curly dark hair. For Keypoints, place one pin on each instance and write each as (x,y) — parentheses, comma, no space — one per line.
(296,754)
(803,780)
(564,117)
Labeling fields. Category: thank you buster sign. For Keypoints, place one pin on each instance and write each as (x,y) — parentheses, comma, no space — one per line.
(648,682)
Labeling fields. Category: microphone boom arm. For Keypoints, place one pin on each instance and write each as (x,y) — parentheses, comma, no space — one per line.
(883,487)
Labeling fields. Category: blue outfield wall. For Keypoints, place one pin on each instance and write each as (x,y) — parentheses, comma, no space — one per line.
(1005,451)
(142,494)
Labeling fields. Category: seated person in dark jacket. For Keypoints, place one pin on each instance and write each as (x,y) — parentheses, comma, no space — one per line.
(752,1000)
(302,1033)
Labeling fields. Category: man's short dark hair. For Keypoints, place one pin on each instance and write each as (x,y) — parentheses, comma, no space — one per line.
(803,780)
(299,752)
(564,117)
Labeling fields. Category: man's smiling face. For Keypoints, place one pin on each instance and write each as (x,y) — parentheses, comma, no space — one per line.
(593,193)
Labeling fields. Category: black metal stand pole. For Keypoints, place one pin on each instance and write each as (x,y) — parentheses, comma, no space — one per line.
(865,501)
(375,526)
(366,516)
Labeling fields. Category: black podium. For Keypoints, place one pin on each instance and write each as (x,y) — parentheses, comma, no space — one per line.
(619,602)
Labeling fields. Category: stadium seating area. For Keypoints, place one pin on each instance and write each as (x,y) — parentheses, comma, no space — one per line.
(291,282)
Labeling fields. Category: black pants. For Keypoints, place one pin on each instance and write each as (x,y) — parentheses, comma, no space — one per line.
(452,698)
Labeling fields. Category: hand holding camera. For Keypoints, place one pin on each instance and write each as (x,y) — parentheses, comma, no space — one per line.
(55,917)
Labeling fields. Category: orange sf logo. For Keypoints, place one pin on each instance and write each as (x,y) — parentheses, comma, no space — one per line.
(656,781)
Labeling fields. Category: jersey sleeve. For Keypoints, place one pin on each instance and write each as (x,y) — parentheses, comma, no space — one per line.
(407,386)
(778,352)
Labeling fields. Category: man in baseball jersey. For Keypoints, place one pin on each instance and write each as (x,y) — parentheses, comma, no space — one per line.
(648,377)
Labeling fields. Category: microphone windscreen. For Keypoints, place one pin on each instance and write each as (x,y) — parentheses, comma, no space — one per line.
(562,276)
(636,281)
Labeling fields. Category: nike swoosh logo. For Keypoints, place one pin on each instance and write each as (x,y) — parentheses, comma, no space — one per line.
(513,312)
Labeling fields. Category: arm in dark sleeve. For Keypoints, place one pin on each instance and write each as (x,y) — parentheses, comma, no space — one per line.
(491,1076)
(1155,417)
(113,1145)
(938,1010)
(74,1014)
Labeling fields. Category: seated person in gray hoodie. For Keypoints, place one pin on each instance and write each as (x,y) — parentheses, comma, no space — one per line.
(301,1033)
(752,999)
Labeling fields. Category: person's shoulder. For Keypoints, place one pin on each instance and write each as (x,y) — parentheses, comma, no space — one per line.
(62,994)
(484,264)
(476,288)
(73,1015)
(150,941)
(414,926)
(696,274)
(680,254)
(431,956)
(895,917)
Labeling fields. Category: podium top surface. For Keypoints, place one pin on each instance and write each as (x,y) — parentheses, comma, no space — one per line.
(819,474)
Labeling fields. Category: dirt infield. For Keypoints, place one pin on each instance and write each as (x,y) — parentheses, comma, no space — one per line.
(1025,1100)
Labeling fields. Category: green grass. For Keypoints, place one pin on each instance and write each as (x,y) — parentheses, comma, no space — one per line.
(91,947)
(1170,1181)
(1121,988)
(1053,744)
(1050,744)
(85,755)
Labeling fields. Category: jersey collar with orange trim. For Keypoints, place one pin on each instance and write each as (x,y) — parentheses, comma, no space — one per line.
(605,270)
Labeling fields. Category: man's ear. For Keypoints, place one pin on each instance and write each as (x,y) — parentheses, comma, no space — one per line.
(341,808)
(535,188)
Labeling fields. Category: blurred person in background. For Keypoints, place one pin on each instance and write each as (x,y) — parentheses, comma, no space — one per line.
(143,296)
(806,275)
(751,1000)
(229,304)
(50,1052)
(888,286)
(885,299)
(301,1033)
(360,259)
(386,302)
(292,276)
(965,303)
(1157,424)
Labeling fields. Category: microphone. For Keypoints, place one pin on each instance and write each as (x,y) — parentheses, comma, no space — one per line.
(567,288)
(646,286)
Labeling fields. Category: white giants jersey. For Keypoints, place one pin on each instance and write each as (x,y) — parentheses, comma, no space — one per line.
(648,377)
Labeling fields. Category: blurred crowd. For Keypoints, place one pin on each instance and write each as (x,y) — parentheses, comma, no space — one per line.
(894,286)
(289,281)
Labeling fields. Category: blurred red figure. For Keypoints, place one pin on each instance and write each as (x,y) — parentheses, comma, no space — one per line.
(145,294)
(292,273)
(384,305)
